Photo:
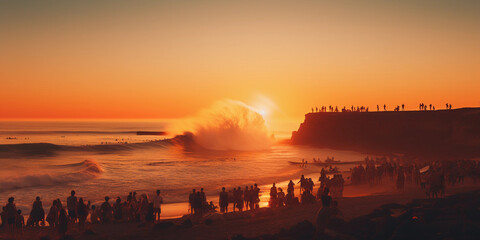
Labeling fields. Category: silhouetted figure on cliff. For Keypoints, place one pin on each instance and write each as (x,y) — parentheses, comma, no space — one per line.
(403,107)
(384,107)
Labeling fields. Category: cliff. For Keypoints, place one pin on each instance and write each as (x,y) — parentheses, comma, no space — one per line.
(445,132)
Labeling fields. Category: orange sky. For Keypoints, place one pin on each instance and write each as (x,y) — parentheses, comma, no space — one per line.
(151,59)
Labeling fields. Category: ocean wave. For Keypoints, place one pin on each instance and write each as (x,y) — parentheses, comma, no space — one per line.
(39,132)
(49,149)
(82,171)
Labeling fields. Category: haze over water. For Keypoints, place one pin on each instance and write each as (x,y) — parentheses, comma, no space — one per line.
(126,166)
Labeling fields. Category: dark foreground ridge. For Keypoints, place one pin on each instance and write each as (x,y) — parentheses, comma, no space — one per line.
(454,217)
(447,133)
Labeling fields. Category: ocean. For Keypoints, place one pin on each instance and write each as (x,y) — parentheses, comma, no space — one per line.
(108,158)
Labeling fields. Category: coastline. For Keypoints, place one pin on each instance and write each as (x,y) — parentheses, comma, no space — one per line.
(358,201)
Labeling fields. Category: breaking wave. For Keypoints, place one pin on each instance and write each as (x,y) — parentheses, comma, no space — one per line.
(231,125)
(82,171)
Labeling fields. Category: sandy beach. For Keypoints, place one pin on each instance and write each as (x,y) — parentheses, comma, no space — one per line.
(358,201)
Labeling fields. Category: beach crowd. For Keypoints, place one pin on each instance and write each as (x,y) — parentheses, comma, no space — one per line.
(433,177)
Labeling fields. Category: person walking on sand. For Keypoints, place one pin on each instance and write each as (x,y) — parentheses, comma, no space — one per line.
(157,206)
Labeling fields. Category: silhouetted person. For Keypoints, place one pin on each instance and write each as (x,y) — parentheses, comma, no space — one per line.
(10,213)
(117,209)
(37,214)
(378,109)
(191,198)
(106,211)
(281,197)
(273,196)
(203,197)
(256,196)
(157,203)
(62,222)
(95,216)
(82,212)
(326,199)
(403,107)
(72,206)
(384,107)
(223,201)
(239,199)
(52,217)
(19,221)
(197,204)
(246,197)
(290,188)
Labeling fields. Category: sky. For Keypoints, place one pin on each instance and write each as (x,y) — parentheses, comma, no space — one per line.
(169,59)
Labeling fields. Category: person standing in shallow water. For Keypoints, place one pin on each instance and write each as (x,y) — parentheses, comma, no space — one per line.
(239,199)
(257,196)
(157,202)
(273,196)
(246,198)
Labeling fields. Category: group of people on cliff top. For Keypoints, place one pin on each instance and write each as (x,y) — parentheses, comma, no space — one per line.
(421,106)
